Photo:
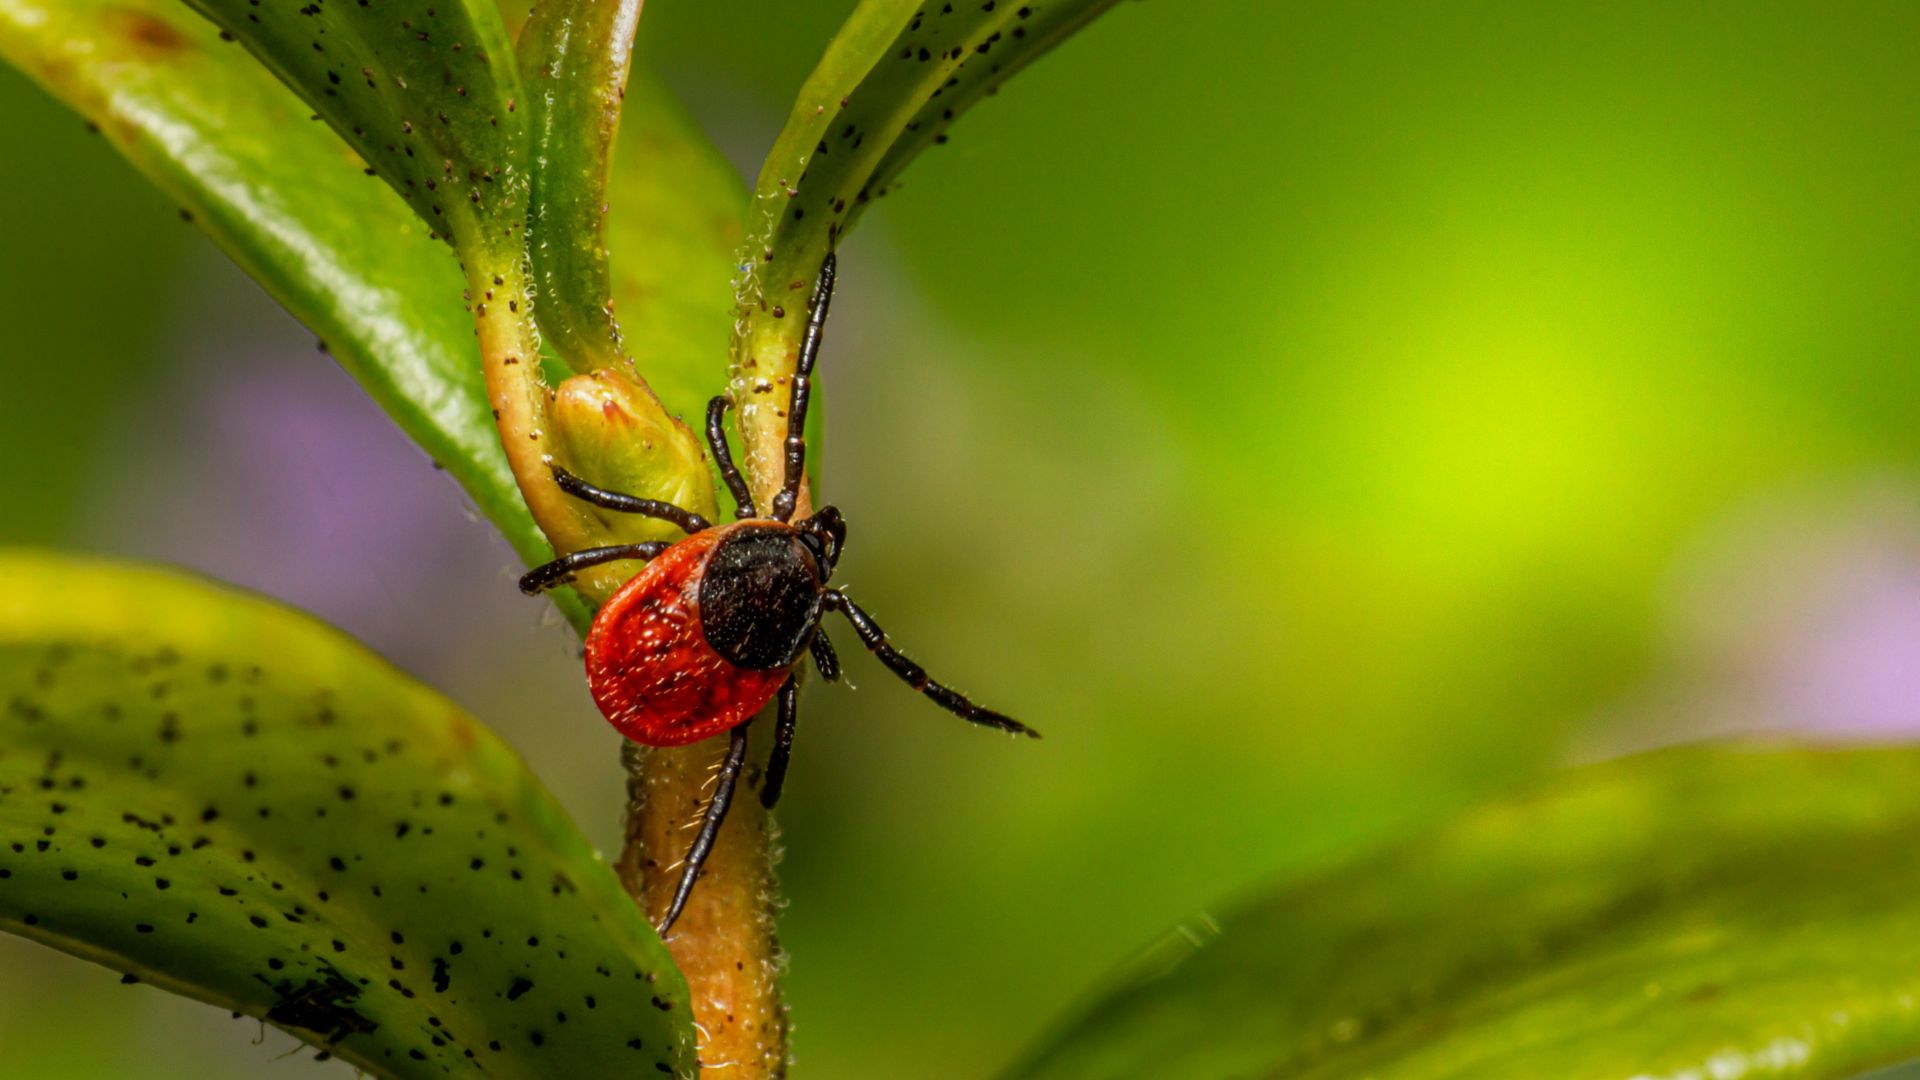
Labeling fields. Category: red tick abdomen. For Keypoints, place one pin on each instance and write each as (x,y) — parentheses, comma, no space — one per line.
(649,666)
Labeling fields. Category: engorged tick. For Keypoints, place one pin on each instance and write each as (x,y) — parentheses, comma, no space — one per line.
(711,629)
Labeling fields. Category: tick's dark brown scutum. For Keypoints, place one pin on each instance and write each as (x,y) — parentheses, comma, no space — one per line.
(760,596)
(709,632)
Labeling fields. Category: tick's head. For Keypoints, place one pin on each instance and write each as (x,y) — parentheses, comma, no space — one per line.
(825,533)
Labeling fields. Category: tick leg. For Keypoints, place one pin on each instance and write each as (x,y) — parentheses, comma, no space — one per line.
(824,657)
(688,521)
(875,639)
(723,457)
(782,743)
(562,569)
(709,826)
(802,388)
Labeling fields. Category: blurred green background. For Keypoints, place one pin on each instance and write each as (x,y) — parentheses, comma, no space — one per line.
(1312,419)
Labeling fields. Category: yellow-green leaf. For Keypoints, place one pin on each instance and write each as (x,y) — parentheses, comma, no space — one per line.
(1704,912)
(230,800)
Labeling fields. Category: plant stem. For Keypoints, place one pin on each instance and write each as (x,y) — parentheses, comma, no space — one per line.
(724,941)
(762,385)
(510,356)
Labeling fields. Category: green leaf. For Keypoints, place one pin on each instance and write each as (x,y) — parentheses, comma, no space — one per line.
(1690,913)
(676,224)
(894,78)
(288,201)
(429,97)
(428,94)
(573,56)
(227,799)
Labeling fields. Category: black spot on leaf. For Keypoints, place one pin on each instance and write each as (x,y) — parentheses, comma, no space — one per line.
(323,1005)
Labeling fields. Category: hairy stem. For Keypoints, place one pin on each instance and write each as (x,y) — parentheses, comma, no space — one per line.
(522,412)
(724,941)
(762,386)
(510,355)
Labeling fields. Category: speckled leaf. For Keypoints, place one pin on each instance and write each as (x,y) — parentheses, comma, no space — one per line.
(427,93)
(892,81)
(234,802)
(1704,912)
(288,200)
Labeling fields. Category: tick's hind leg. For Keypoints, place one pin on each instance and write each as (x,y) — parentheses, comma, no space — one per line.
(782,743)
(561,570)
(709,826)
(875,639)
(824,657)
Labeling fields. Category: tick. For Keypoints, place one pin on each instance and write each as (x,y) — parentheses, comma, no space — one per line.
(714,625)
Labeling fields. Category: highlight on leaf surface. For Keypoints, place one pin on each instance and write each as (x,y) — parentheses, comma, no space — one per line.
(232,801)
(1705,911)
(288,200)
(894,78)
(431,99)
